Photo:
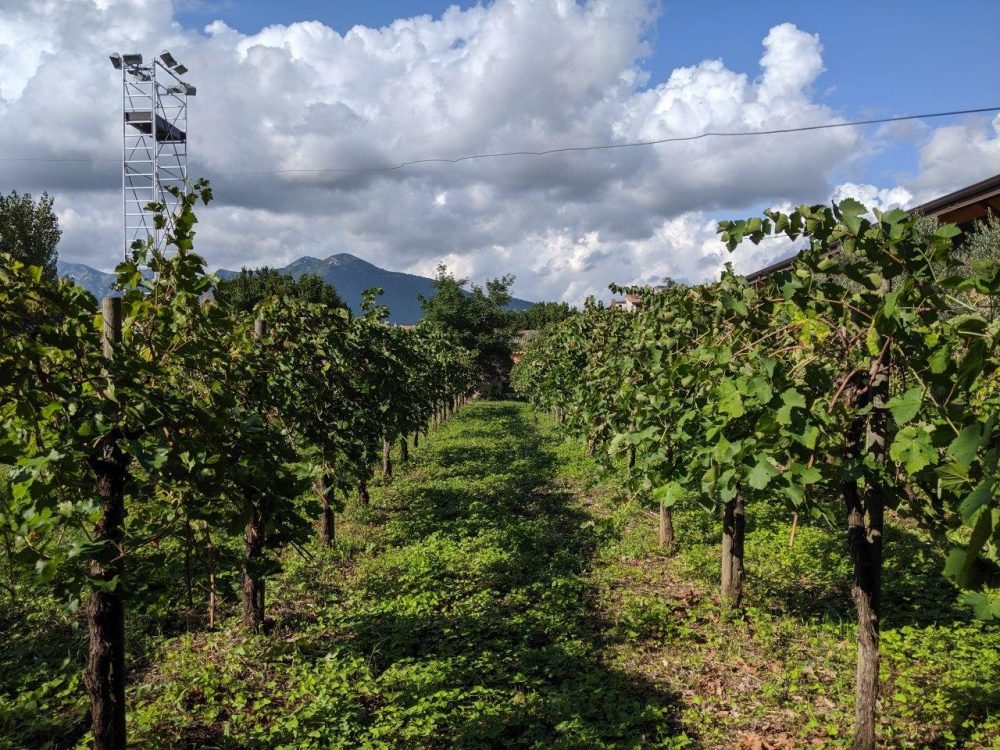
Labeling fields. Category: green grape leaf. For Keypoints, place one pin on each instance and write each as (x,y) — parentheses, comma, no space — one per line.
(761,474)
(668,494)
(912,448)
(905,406)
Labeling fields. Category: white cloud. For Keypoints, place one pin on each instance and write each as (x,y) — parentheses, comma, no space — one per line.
(957,155)
(872,197)
(513,75)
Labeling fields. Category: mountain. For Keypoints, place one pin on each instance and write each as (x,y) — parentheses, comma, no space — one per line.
(97,283)
(348,273)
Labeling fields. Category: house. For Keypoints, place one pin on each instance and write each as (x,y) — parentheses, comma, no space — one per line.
(631,303)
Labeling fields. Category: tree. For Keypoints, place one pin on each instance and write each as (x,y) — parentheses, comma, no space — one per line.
(29,231)
(250,287)
(982,244)
(538,316)
(979,251)
(478,317)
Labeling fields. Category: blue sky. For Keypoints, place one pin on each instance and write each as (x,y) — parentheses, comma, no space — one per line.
(288,88)
(937,55)
(882,58)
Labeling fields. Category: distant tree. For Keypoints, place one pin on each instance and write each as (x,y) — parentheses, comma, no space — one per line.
(540,315)
(982,243)
(478,317)
(29,230)
(250,286)
(979,251)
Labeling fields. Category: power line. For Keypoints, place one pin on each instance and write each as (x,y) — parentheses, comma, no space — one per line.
(87,159)
(561,150)
(634,144)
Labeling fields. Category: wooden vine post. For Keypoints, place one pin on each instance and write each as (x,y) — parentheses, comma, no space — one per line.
(865,517)
(253,551)
(668,541)
(666,529)
(104,675)
(323,486)
(386,458)
(733,535)
(212,585)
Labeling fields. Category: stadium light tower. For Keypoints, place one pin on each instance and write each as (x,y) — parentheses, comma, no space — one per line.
(154,140)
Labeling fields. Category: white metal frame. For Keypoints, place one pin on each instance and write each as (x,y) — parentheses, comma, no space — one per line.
(153,160)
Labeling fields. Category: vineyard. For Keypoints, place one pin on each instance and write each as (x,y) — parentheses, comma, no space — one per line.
(858,388)
(284,525)
(172,430)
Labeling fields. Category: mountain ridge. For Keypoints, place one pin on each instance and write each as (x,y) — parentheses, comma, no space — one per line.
(350,275)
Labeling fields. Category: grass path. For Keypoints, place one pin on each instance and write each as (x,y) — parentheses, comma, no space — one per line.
(459,613)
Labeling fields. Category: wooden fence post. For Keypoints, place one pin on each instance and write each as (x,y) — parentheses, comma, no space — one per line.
(253,551)
(327,521)
(111,334)
(104,674)
(386,458)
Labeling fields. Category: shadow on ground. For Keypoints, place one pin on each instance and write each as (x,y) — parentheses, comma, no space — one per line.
(478,621)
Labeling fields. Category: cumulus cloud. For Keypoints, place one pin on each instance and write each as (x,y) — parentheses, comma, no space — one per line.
(511,76)
(956,155)
(873,197)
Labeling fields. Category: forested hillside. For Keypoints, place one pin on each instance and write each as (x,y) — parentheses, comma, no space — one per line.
(346,273)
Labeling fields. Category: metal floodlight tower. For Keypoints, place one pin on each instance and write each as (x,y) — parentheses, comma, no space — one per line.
(154,141)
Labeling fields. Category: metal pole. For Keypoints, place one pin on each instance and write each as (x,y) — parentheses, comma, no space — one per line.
(124,153)
(154,105)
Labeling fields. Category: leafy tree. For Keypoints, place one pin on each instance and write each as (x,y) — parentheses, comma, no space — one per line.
(982,244)
(477,317)
(29,231)
(538,316)
(979,251)
(252,286)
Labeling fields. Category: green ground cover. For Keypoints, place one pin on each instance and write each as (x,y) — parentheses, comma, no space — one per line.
(500,592)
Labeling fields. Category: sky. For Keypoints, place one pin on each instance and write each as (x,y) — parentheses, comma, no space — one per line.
(303,85)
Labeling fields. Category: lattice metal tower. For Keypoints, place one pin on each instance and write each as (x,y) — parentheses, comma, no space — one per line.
(154,140)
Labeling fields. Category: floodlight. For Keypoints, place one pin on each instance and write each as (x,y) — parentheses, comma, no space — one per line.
(180,70)
(132,59)
(116,60)
(168,59)
(182,88)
